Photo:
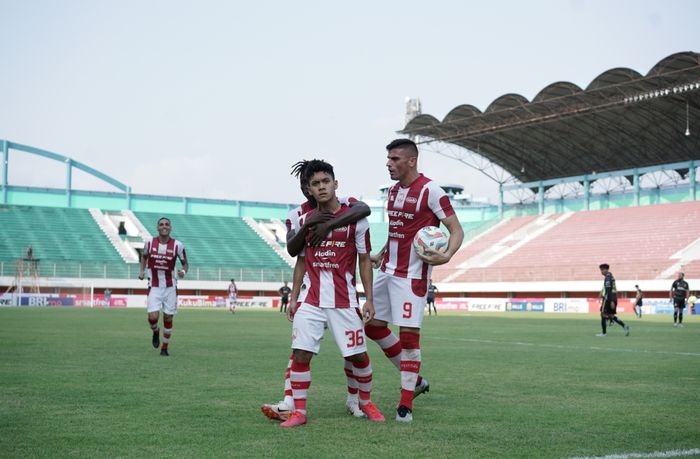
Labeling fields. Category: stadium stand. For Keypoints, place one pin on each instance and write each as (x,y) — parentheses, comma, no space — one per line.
(70,243)
(692,270)
(54,233)
(58,236)
(219,241)
(380,231)
(638,242)
(494,233)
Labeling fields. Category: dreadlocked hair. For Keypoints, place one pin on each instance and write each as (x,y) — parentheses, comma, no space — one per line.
(298,168)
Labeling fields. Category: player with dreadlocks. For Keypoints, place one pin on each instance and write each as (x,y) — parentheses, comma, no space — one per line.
(319,224)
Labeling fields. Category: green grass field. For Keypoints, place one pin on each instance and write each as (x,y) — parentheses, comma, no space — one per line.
(87,383)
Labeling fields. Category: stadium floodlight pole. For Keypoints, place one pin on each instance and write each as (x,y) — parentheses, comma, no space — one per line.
(692,180)
(5,164)
(69,181)
(500,200)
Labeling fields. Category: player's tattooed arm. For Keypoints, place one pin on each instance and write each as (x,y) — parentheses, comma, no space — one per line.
(358,211)
(297,239)
(436,258)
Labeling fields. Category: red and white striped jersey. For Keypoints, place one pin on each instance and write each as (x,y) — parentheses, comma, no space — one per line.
(331,266)
(161,261)
(422,203)
(232,289)
(293,216)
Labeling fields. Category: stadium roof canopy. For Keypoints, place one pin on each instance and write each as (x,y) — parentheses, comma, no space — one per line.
(621,120)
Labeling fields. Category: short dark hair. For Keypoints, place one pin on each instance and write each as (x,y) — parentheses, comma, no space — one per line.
(636,286)
(317,165)
(604,266)
(404,144)
(233,280)
(163,218)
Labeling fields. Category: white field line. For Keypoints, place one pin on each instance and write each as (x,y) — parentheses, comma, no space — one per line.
(671,453)
(559,346)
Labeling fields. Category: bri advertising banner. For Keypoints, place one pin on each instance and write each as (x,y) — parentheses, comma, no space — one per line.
(61,299)
(566,305)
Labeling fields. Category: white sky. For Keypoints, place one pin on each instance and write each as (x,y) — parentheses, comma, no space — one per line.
(218,98)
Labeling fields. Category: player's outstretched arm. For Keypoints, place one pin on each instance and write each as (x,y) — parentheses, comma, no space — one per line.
(358,211)
(436,258)
(366,278)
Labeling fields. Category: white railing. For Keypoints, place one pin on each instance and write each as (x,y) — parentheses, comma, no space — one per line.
(128,254)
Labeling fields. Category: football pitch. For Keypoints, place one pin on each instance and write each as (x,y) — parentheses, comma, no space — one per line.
(87,383)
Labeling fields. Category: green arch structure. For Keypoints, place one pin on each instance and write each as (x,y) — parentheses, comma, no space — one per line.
(70,164)
(122,198)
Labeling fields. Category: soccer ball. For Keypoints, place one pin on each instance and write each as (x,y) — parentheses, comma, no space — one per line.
(430,237)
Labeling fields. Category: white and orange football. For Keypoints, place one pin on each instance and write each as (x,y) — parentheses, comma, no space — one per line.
(430,237)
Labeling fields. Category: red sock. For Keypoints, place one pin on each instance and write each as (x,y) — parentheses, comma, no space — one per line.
(167,332)
(154,324)
(410,366)
(287,381)
(301,381)
(352,381)
(389,342)
(363,375)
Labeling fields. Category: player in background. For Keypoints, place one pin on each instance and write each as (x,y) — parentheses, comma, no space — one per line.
(432,290)
(232,296)
(608,302)
(331,300)
(638,302)
(319,223)
(678,295)
(284,292)
(160,256)
(692,299)
(401,285)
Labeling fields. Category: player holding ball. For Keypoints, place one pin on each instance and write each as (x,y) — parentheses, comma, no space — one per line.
(401,285)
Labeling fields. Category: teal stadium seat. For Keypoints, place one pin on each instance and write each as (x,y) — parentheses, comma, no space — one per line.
(61,238)
(56,234)
(222,242)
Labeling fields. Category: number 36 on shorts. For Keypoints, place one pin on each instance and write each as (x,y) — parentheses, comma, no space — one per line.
(355,338)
